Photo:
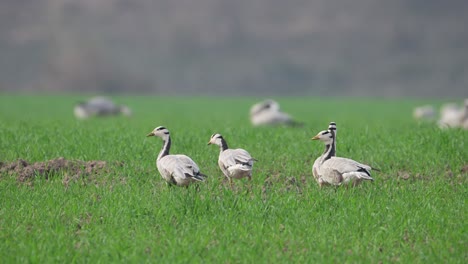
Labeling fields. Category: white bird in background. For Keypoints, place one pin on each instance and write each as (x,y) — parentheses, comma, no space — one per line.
(450,115)
(453,116)
(268,113)
(425,112)
(337,171)
(99,106)
(177,170)
(464,116)
(234,163)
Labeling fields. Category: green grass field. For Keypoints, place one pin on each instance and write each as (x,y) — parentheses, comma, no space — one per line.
(129,214)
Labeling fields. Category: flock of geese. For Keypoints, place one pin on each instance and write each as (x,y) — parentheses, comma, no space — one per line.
(328,169)
(266,112)
(451,115)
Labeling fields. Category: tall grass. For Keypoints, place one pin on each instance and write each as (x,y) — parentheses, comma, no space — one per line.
(131,215)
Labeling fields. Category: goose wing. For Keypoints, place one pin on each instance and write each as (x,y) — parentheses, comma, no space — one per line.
(344,165)
(232,157)
(181,168)
(338,170)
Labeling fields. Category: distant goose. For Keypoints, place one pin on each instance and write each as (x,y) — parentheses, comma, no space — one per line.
(319,160)
(268,113)
(178,170)
(425,112)
(449,116)
(234,163)
(99,106)
(337,171)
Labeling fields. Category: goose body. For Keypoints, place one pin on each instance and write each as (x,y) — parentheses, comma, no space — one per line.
(425,112)
(268,113)
(449,116)
(332,170)
(234,163)
(453,116)
(338,171)
(99,106)
(179,169)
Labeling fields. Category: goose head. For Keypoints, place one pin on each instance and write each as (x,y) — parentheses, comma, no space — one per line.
(216,139)
(160,131)
(332,127)
(325,136)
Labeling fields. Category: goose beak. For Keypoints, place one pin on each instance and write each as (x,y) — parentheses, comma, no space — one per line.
(209,143)
(150,134)
(315,138)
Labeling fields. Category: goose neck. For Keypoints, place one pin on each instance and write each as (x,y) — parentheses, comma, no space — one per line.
(223,145)
(165,149)
(328,153)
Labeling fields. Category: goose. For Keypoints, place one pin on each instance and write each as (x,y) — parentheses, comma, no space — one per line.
(179,169)
(317,162)
(450,115)
(234,163)
(99,106)
(268,113)
(425,112)
(337,171)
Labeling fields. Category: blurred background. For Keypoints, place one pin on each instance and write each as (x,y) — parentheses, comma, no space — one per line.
(242,47)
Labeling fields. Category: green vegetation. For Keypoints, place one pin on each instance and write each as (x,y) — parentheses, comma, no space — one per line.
(414,212)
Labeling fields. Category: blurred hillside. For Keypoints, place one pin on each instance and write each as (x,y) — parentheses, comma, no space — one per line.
(242,47)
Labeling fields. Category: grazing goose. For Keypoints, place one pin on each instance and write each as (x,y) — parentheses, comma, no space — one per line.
(317,162)
(178,170)
(99,106)
(234,163)
(268,113)
(336,170)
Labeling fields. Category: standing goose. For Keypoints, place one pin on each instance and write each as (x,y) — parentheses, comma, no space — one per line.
(319,161)
(234,163)
(178,170)
(336,170)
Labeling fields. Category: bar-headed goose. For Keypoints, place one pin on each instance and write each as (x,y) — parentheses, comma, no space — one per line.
(178,170)
(234,163)
(268,113)
(336,171)
(424,113)
(100,106)
(331,147)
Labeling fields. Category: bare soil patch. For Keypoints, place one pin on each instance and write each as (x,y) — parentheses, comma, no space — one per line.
(71,169)
(464,169)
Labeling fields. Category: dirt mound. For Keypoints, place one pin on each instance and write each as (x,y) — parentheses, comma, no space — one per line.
(70,168)
(464,169)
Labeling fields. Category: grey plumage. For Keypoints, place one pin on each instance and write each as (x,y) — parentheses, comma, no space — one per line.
(179,170)
(234,163)
(99,106)
(332,152)
(331,170)
(268,113)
